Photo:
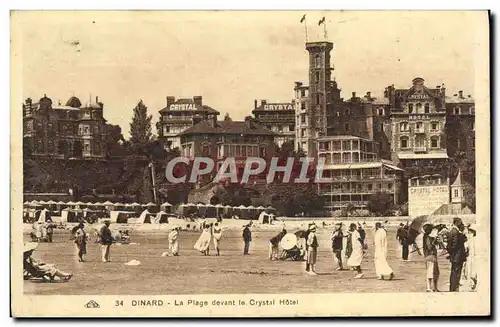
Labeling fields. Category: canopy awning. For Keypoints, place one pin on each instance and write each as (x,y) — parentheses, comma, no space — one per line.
(166,204)
(108,203)
(439,155)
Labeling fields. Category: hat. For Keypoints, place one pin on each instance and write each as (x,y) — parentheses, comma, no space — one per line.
(312,227)
(30,246)
(434,233)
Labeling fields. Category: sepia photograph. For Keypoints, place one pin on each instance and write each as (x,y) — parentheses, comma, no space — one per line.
(250,163)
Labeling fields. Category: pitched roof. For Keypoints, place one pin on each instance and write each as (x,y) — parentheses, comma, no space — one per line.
(227,127)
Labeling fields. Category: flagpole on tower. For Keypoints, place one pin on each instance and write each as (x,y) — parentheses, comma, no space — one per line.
(324,29)
(303,20)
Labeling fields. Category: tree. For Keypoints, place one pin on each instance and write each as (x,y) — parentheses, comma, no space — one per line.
(380,203)
(140,127)
(227,117)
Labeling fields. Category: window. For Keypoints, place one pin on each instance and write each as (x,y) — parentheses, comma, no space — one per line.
(316,77)
(317,61)
(291,128)
(434,142)
(280,129)
(337,113)
(434,126)
(380,111)
(304,145)
(457,111)
(418,108)
(381,127)
(206,150)
(347,127)
(303,106)
(403,126)
(472,111)
(262,152)
(303,132)
(269,127)
(302,93)
(303,119)
(389,186)
(455,193)
(166,129)
(348,112)
(317,98)
(370,187)
(410,108)
(86,129)
(404,143)
(427,108)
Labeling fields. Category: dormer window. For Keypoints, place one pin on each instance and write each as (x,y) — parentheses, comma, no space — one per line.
(380,111)
(457,111)
(427,108)
(410,108)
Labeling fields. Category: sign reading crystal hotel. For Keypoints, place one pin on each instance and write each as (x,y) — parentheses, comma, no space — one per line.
(424,200)
(278,107)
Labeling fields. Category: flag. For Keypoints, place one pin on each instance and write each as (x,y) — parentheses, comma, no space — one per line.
(321,21)
(303,18)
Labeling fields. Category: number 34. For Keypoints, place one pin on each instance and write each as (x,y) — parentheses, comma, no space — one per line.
(118,303)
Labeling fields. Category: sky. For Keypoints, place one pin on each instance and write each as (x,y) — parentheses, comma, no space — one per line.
(232,58)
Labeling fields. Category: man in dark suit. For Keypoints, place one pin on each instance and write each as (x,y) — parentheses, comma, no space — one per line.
(247,238)
(456,250)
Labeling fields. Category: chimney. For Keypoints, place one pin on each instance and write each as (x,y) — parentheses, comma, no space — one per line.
(198,100)
(213,120)
(96,99)
(461,94)
(353,94)
(438,87)
(248,122)
(255,104)
(369,95)
(263,102)
(170,100)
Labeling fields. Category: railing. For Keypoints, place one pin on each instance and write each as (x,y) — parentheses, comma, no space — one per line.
(345,191)
(420,149)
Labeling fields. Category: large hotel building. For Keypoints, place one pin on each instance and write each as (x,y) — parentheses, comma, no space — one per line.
(367,142)
(70,131)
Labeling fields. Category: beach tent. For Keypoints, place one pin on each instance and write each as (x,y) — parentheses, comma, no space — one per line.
(265,218)
(51,202)
(160,218)
(150,204)
(144,218)
(107,203)
(42,202)
(44,215)
(135,204)
(71,216)
(121,217)
(61,203)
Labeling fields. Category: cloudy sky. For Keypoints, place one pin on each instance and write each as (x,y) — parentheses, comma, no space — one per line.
(232,58)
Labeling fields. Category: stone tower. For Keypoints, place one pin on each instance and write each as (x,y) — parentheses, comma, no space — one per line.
(319,83)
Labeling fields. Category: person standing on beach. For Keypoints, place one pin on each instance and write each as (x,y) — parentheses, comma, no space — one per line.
(312,250)
(49,227)
(247,238)
(81,242)
(106,239)
(217,235)
(382,268)
(430,254)
(337,245)
(456,249)
(356,255)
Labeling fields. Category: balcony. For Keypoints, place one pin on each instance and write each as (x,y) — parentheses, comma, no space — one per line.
(420,149)
(420,130)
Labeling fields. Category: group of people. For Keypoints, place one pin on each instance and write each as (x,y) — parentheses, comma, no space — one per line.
(104,237)
(210,233)
(43,232)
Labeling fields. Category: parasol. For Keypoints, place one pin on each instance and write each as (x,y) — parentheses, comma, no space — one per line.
(289,241)
(301,234)
(415,227)
(30,246)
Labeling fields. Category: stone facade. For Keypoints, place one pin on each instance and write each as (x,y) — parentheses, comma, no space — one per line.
(70,131)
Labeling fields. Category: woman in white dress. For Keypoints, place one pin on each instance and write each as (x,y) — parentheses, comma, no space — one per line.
(382,268)
(356,255)
(203,243)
